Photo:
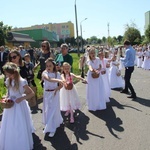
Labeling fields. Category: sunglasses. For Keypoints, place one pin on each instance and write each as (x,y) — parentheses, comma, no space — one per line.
(43,46)
(13,57)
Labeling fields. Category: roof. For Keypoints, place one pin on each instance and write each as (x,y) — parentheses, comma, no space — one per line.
(19,37)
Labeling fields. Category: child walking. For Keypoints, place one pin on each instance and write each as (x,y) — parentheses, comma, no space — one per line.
(115,79)
(30,78)
(69,100)
(51,106)
(16,126)
(95,95)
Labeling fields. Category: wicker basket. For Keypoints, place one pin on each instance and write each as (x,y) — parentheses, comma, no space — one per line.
(69,86)
(95,75)
(103,71)
(108,65)
(6,103)
(118,73)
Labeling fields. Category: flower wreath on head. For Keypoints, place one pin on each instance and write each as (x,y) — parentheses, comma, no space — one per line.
(9,67)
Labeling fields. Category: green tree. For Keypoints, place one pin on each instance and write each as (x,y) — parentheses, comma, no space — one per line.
(104,39)
(119,38)
(147,33)
(99,41)
(3,32)
(132,34)
(110,41)
(93,39)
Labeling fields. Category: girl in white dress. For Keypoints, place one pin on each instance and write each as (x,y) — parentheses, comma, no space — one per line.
(69,100)
(105,74)
(115,78)
(146,61)
(95,94)
(139,58)
(51,105)
(16,126)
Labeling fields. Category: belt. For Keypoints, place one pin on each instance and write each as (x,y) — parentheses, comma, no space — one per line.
(48,90)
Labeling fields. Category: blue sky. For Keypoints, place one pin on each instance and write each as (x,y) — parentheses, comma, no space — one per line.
(118,13)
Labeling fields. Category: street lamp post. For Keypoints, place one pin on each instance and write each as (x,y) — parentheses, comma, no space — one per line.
(81,33)
(77,28)
(83,58)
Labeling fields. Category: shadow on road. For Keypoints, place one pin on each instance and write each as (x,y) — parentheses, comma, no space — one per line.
(115,103)
(79,127)
(37,143)
(109,116)
(142,101)
(61,141)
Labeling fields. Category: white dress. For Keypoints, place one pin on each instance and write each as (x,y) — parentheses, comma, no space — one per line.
(51,105)
(146,62)
(139,59)
(115,81)
(95,92)
(105,78)
(16,127)
(69,99)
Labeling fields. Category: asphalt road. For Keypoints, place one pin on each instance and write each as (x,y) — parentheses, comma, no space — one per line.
(124,125)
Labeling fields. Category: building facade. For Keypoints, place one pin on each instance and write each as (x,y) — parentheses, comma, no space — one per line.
(39,35)
(147,19)
(15,39)
(63,30)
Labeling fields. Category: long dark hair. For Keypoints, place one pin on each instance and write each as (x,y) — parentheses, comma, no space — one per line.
(18,54)
(47,45)
(53,62)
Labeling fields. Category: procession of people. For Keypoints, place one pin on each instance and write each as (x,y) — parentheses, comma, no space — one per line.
(105,73)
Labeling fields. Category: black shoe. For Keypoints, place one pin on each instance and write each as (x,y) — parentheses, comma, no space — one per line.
(124,91)
(132,96)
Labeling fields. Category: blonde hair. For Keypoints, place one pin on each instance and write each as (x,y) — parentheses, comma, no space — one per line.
(91,49)
(65,64)
(13,69)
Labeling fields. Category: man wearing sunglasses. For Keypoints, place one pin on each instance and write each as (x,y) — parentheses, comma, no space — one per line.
(3,58)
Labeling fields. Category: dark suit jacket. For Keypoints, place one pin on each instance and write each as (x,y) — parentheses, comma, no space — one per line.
(5,58)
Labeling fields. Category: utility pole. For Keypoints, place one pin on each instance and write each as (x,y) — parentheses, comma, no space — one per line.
(108,29)
(77,28)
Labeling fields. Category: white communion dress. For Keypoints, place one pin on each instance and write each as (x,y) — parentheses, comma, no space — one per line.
(52,118)
(95,93)
(69,99)
(115,81)
(17,126)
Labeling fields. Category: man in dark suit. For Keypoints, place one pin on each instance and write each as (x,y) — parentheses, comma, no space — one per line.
(3,58)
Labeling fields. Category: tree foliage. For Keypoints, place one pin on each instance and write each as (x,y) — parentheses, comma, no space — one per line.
(147,33)
(132,34)
(119,39)
(104,39)
(3,32)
